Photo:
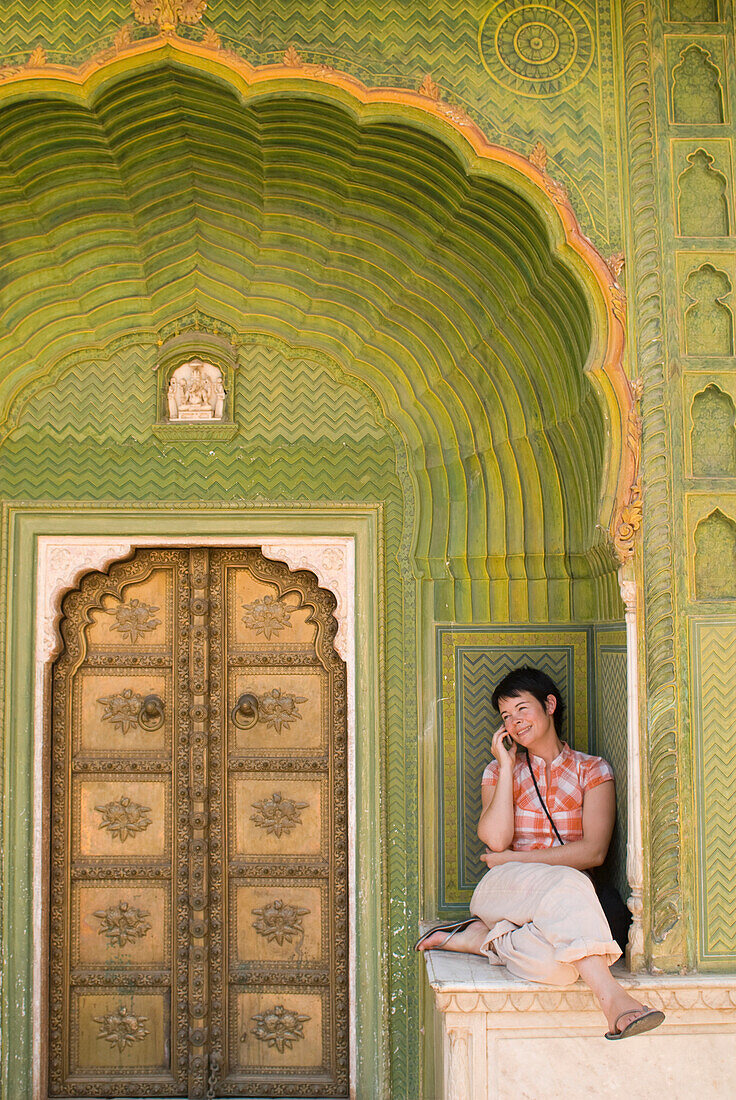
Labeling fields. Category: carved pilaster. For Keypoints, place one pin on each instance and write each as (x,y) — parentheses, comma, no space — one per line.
(458,1076)
(634,850)
(657,558)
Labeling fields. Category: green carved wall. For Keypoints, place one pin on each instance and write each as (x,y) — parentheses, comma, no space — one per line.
(681,82)
(408,329)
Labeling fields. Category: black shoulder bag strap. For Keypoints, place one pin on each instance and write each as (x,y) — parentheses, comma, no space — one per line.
(539,796)
(614,908)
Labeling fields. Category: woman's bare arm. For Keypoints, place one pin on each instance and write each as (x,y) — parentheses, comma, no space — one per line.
(496,824)
(599,814)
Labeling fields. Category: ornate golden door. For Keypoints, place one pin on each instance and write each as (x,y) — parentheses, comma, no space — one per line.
(199,833)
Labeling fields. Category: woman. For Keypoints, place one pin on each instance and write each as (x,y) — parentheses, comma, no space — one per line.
(547,818)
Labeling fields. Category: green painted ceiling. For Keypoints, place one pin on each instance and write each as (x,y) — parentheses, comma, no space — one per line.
(367,242)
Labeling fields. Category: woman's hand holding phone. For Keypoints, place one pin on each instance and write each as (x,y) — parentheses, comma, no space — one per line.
(503,748)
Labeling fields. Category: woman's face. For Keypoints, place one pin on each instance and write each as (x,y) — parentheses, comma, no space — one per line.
(526,719)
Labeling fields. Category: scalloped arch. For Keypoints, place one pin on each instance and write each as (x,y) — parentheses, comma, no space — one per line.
(376,227)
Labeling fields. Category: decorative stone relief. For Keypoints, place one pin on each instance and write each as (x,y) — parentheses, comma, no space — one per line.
(669,996)
(702,205)
(536,49)
(459,1068)
(696,88)
(196,392)
(714,434)
(168,13)
(61,565)
(708,321)
(634,795)
(715,557)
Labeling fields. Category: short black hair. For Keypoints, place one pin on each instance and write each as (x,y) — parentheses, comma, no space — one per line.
(537,683)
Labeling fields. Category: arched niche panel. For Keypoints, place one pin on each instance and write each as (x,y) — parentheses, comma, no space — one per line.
(702,204)
(697,96)
(708,319)
(713,437)
(715,557)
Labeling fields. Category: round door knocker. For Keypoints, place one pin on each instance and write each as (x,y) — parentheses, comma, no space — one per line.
(245,712)
(151,715)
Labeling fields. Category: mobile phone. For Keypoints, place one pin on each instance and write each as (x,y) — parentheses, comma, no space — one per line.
(507,742)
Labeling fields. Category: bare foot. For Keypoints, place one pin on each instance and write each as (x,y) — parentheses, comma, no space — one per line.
(622,1011)
(469,940)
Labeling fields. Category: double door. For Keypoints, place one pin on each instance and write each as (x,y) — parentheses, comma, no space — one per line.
(198,919)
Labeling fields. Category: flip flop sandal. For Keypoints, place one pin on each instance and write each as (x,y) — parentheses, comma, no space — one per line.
(650,1019)
(451,929)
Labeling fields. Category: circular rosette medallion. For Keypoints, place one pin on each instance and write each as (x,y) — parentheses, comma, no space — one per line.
(536,49)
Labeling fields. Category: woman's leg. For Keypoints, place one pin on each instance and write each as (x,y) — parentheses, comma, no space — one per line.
(559,901)
(612,997)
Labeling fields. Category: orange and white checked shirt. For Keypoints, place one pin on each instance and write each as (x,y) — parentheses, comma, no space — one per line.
(572,774)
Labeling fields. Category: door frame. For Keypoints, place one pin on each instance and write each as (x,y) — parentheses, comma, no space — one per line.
(89,535)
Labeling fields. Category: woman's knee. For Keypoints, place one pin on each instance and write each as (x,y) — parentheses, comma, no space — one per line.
(569,878)
(525,953)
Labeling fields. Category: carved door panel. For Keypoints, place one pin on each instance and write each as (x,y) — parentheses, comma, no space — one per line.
(199,848)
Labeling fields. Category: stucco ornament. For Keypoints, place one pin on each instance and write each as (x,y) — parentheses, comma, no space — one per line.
(168,13)
(196,392)
(536,49)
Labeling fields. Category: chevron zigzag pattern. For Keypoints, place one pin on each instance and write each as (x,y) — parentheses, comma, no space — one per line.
(611,744)
(716,799)
(479,674)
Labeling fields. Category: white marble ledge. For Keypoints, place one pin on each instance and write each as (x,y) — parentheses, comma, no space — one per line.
(468,984)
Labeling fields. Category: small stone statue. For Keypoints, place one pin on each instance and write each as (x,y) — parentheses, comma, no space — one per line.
(196,392)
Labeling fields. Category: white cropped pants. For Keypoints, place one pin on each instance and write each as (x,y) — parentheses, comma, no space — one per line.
(541,919)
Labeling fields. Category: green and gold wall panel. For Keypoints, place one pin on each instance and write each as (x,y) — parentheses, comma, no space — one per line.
(713,649)
(472,661)
(680,71)
(609,736)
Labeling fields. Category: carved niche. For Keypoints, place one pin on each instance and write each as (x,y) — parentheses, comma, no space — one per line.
(708,320)
(697,96)
(702,205)
(196,393)
(713,436)
(715,557)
